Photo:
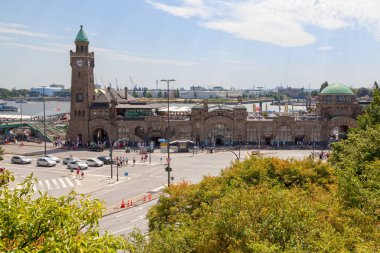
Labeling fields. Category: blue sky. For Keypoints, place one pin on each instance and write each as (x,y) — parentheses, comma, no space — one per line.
(241,43)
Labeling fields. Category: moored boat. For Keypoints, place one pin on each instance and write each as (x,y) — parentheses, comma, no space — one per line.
(7,108)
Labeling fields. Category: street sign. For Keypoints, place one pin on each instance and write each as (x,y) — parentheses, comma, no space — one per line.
(126,174)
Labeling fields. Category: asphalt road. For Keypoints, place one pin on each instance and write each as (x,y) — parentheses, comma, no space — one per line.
(142,179)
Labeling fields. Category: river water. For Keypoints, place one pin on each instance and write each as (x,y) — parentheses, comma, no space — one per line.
(56,107)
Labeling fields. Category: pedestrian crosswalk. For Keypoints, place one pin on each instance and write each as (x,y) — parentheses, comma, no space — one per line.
(54,184)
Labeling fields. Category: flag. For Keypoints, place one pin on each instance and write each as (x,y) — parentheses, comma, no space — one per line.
(58,109)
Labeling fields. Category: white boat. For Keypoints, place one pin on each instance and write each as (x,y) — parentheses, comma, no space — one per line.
(7,108)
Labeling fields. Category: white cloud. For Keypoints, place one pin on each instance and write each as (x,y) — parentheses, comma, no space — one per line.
(19,29)
(189,8)
(279,22)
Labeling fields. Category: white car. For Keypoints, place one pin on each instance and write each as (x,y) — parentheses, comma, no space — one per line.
(54,158)
(46,161)
(94,162)
(75,164)
(20,159)
(68,159)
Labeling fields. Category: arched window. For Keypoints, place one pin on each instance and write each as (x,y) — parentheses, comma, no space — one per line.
(79,113)
(75,113)
(83,113)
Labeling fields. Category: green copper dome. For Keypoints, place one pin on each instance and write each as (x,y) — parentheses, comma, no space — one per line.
(337,88)
(81,36)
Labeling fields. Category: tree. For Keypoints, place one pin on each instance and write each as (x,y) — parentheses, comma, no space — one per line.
(149,94)
(375,85)
(259,205)
(1,153)
(371,115)
(324,85)
(159,93)
(177,93)
(314,93)
(36,222)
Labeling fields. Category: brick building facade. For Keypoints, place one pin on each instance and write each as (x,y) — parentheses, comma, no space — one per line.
(109,115)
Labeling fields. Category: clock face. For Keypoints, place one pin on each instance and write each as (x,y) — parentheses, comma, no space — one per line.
(79,63)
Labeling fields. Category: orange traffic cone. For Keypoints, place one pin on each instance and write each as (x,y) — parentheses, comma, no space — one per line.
(144,198)
(122,204)
(150,196)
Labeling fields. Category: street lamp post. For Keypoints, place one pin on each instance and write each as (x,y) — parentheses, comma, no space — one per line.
(43,97)
(261,110)
(117,165)
(22,126)
(168,132)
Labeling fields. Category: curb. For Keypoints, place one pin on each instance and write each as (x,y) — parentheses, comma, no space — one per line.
(140,201)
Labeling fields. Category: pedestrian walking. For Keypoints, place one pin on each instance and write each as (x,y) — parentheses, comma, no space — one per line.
(161,159)
(82,174)
(78,171)
(134,161)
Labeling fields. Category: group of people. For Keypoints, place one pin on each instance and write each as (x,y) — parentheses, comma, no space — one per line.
(324,155)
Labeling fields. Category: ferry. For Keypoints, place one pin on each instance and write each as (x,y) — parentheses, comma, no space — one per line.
(7,108)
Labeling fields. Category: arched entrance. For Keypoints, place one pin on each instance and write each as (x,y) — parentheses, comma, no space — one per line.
(219,135)
(339,127)
(219,141)
(339,133)
(100,136)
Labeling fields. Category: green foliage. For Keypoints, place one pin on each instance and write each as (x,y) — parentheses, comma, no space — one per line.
(5,93)
(362,92)
(371,114)
(323,85)
(43,223)
(260,205)
(1,153)
(149,94)
(314,93)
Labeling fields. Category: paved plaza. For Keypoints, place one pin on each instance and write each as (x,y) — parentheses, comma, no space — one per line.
(145,178)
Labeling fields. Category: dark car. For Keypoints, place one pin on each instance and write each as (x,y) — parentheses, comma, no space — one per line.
(105,159)
(96,148)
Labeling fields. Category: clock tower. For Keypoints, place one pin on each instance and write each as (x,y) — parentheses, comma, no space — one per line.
(82,90)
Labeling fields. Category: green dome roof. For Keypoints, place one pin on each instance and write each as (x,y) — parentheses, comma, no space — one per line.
(337,88)
(81,36)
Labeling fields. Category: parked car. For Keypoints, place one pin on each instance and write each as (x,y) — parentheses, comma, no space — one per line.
(20,159)
(94,162)
(96,148)
(67,159)
(105,159)
(46,161)
(75,164)
(54,158)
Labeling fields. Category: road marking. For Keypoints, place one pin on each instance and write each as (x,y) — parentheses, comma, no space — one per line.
(69,182)
(41,185)
(48,185)
(56,184)
(157,189)
(121,230)
(62,182)
(78,182)
(138,218)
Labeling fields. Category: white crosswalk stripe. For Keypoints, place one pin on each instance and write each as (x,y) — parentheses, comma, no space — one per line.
(49,188)
(62,182)
(69,182)
(78,182)
(56,184)
(41,185)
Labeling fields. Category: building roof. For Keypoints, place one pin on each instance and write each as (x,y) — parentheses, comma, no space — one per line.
(336,89)
(133,106)
(240,106)
(81,36)
(197,107)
